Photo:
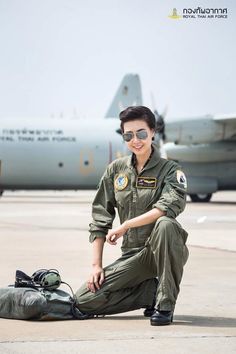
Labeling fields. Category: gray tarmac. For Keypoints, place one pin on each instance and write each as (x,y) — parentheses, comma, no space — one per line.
(49,230)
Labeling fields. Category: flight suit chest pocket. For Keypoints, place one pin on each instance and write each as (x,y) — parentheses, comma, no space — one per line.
(146,197)
(123,197)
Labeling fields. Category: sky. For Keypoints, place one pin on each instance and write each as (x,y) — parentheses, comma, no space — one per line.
(66,58)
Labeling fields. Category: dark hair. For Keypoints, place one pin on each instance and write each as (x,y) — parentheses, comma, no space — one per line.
(137,113)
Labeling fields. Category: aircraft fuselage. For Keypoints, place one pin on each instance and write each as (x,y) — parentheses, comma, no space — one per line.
(57,155)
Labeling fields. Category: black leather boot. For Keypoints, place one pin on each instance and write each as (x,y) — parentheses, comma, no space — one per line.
(149,311)
(161,318)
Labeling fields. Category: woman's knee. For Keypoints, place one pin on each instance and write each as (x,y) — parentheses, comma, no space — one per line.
(164,231)
(164,226)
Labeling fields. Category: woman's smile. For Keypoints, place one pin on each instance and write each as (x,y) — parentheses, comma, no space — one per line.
(137,147)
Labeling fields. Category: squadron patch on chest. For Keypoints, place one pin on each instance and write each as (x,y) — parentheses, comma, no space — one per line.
(146,182)
(121,182)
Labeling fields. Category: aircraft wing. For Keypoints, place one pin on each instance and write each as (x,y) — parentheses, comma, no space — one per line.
(225,118)
(201,130)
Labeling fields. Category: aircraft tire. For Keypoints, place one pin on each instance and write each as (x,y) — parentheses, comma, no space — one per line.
(200,198)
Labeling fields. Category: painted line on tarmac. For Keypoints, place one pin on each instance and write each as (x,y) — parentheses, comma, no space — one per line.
(211,248)
(201,219)
(115,339)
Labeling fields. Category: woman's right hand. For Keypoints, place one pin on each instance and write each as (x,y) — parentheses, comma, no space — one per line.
(96,279)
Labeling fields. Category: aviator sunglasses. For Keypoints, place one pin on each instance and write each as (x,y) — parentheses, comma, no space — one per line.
(141,134)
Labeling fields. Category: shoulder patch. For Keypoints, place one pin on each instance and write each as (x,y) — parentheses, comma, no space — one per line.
(181,178)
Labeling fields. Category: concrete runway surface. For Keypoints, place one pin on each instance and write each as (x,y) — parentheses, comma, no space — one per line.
(49,230)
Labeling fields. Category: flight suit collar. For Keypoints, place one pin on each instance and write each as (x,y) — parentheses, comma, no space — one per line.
(154,160)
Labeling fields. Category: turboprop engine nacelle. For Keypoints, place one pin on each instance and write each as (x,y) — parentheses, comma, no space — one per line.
(199,131)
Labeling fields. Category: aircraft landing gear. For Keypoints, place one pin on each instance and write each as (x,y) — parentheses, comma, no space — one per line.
(200,198)
(1,193)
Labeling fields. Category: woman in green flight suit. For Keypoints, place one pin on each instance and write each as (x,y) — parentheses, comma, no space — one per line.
(149,193)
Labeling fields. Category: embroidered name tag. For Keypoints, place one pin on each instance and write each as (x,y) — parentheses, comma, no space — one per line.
(146,182)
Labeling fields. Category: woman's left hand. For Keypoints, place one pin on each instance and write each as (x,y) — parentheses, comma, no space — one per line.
(116,233)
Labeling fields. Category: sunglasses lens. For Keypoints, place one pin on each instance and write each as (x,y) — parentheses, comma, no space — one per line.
(128,136)
(142,134)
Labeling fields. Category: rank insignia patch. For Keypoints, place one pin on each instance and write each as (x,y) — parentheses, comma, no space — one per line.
(181,178)
(146,182)
(121,182)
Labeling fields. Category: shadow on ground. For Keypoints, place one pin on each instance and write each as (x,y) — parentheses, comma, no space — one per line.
(188,320)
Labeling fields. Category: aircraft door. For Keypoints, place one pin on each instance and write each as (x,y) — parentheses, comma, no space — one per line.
(92,163)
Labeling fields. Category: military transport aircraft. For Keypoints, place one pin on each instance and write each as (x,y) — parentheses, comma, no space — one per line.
(72,154)
(63,154)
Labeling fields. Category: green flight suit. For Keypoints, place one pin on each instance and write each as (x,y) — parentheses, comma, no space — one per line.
(150,251)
